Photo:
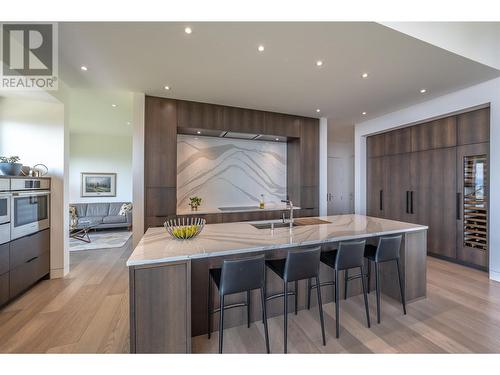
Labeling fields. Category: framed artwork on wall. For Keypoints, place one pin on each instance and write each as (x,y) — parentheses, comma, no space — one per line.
(98,184)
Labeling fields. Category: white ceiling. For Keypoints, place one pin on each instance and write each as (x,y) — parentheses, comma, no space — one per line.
(91,111)
(219,63)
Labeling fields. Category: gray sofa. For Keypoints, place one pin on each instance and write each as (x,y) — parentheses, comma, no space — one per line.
(105,215)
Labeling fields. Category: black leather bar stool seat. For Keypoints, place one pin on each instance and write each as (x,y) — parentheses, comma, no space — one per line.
(349,255)
(237,276)
(298,265)
(387,250)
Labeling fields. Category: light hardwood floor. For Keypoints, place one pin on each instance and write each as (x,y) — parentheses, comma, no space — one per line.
(87,312)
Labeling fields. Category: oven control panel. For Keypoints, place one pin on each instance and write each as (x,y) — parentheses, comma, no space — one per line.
(19,184)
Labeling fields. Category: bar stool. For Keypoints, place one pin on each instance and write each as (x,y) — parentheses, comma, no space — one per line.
(298,265)
(386,251)
(237,276)
(348,256)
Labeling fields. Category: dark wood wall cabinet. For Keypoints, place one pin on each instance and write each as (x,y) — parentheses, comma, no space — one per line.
(436,174)
(165,118)
(23,262)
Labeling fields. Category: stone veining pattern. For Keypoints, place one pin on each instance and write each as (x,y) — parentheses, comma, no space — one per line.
(158,246)
(229,172)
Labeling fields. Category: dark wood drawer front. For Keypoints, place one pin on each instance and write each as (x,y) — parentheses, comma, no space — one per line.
(435,134)
(474,127)
(29,247)
(375,145)
(4,258)
(29,273)
(4,288)
(398,141)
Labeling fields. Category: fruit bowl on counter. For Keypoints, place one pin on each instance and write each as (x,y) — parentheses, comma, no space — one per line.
(184,228)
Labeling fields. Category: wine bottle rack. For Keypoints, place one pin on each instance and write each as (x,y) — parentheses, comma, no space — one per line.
(475,202)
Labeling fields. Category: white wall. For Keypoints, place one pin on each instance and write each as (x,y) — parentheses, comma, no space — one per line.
(34,130)
(138,106)
(478,41)
(100,153)
(487,92)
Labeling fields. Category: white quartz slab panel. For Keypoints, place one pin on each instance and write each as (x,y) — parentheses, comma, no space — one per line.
(229,172)
(157,246)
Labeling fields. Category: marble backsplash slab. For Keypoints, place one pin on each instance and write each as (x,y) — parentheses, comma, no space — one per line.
(229,172)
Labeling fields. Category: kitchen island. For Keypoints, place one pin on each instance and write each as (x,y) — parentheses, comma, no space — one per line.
(168,278)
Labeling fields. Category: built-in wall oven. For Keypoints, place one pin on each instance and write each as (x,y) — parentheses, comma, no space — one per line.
(5,199)
(30,206)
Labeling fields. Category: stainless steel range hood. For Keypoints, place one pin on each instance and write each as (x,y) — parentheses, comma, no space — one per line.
(231,135)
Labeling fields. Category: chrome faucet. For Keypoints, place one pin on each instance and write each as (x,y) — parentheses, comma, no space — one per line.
(290,207)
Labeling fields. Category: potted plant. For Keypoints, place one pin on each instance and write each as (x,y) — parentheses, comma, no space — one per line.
(194,202)
(9,166)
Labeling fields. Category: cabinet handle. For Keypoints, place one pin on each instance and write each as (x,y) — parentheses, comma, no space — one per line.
(31,260)
(407,201)
(458,202)
(411,202)
(381,199)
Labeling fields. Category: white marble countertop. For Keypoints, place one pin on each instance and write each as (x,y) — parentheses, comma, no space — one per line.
(156,246)
(267,207)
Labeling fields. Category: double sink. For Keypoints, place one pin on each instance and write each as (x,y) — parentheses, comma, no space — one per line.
(297,222)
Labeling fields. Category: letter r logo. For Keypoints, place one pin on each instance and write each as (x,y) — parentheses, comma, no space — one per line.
(27,49)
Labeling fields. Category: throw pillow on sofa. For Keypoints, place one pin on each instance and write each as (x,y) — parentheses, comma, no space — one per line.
(126,207)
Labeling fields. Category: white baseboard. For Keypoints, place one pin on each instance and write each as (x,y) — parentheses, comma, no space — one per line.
(57,273)
(495,275)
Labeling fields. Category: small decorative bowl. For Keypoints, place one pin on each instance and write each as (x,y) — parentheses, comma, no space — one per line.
(184,228)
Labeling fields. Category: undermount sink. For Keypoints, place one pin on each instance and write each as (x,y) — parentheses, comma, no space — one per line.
(268,225)
(297,222)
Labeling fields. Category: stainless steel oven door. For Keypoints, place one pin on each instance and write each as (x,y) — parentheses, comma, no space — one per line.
(30,213)
(4,208)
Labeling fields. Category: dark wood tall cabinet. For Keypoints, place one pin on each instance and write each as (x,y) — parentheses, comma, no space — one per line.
(436,174)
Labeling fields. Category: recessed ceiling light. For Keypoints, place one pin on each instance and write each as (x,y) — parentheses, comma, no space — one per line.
(423,91)
(364,75)
(84,68)
(364,113)
(167,88)
(188,30)
(319,63)
(114,105)
(277,139)
(198,132)
(318,110)
(261,48)
(128,122)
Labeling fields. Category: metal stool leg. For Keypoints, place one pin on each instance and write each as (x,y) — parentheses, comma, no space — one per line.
(346,275)
(248,308)
(320,306)
(264,314)
(285,314)
(401,287)
(221,323)
(296,295)
(308,294)
(377,287)
(365,296)
(368,275)
(337,325)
